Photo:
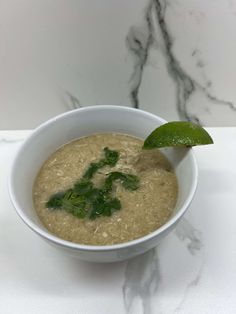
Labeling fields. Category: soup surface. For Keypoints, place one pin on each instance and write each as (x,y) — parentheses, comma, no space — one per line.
(142,211)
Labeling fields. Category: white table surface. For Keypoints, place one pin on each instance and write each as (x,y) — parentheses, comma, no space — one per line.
(193,271)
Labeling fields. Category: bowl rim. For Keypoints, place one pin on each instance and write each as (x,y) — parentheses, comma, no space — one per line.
(96,248)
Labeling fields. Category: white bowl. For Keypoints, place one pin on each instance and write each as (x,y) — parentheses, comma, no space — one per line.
(71,125)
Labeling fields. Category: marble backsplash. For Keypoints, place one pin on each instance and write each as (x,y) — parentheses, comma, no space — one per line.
(170,57)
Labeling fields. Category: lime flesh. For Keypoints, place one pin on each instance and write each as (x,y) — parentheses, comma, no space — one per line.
(177,133)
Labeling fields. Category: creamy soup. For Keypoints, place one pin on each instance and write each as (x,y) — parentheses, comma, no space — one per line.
(142,210)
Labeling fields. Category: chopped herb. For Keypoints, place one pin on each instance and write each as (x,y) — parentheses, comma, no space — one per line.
(93,168)
(86,200)
(55,200)
(83,187)
(111,158)
(129,181)
(75,207)
(105,207)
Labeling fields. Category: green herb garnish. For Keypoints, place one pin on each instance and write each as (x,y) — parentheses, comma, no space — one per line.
(129,181)
(86,200)
(111,158)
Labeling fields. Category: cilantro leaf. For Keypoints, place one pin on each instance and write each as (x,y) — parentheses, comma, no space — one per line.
(86,200)
(83,187)
(55,200)
(111,157)
(77,208)
(105,207)
(129,181)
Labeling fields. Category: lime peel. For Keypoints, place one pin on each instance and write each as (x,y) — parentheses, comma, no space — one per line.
(177,134)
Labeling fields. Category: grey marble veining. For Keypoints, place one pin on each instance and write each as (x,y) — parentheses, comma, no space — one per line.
(190,286)
(142,279)
(154,33)
(191,236)
(143,275)
(173,58)
(193,240)
(140,41)
(71,101)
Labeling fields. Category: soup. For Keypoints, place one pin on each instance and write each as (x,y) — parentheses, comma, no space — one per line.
(142,211)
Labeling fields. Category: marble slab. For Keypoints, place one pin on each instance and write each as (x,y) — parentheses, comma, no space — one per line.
(173,58)
(192,271)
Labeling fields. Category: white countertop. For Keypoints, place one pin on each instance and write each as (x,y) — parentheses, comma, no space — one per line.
(192,271)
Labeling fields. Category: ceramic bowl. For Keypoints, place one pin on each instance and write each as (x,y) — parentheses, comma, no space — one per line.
(49,136)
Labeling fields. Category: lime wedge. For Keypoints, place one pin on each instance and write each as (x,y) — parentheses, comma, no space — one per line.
(177,133)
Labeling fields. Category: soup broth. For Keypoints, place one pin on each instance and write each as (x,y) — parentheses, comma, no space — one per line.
(142,211)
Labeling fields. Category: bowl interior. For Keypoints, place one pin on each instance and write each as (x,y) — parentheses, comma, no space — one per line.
(64,128)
